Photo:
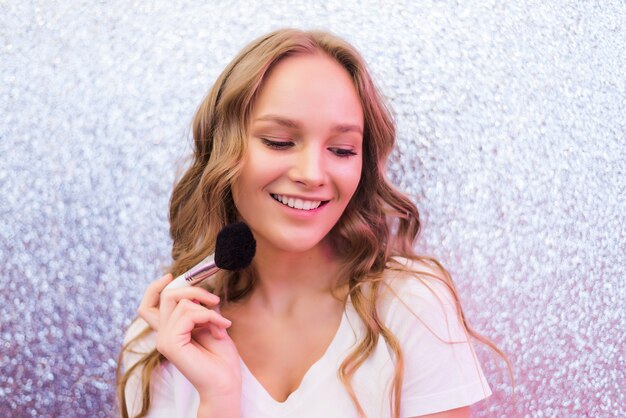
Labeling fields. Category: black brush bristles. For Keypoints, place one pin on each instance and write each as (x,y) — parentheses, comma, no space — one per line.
(234,247)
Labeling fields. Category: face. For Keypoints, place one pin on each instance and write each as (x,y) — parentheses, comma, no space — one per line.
(304,157)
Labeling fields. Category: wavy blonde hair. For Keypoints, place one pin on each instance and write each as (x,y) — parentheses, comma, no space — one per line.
(201,202)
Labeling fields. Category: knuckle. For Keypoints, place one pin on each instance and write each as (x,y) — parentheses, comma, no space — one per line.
(166,294)
(208,295)
(185,303)
(153,288)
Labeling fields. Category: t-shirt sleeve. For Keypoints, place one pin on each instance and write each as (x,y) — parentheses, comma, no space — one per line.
(162,403)
(441,369)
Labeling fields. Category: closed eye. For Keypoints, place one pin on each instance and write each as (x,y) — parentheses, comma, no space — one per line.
(343,152)
(277,144)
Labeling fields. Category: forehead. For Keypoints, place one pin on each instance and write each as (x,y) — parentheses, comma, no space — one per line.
(313,88)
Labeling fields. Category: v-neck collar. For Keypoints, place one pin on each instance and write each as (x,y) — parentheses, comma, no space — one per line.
(324,368)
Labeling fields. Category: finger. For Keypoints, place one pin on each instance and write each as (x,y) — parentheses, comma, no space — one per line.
(169,298)
(197,293)
(177,333)
(214,339)
(151,316)
(151,296)
(185,320)
(204,315)
(148,306)
(208,332)
(217,332)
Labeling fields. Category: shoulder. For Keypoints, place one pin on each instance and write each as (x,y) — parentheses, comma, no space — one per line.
(419,284)
(419,305)
(421,309)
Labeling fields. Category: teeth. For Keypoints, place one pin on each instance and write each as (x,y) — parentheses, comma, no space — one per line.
(297,203)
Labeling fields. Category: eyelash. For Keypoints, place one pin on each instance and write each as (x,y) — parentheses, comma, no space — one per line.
(342,152)
(277,144)
(283,145)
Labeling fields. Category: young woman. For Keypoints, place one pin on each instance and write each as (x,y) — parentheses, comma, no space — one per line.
(336,316)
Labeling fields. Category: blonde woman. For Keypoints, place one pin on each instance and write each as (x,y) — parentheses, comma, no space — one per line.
(336,316)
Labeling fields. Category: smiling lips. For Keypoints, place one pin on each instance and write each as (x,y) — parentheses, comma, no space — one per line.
(298,203)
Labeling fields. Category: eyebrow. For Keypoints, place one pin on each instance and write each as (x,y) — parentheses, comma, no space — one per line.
(288,123)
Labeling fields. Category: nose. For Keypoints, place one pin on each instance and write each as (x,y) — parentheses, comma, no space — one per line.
(308,168)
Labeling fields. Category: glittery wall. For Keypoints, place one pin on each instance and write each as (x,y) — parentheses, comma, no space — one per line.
(511,141)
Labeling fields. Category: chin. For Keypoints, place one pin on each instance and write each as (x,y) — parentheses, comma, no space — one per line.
(295,242)
(296,245)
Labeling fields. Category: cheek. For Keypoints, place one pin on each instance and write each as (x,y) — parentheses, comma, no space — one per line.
(240,191)
(235,192)
(352,179)
(249,185)
(259,168)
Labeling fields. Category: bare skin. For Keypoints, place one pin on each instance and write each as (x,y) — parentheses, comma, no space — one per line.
(296,331)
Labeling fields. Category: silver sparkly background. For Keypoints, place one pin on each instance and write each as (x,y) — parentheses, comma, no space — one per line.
(511,121)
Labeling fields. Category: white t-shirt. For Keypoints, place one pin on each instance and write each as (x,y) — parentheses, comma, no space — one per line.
(438,375)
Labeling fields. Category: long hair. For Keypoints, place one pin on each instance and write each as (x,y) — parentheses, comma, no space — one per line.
(201,202)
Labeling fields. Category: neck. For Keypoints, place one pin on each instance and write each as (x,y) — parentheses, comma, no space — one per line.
(288,280)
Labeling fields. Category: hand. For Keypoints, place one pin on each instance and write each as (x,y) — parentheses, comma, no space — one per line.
(193,337)
(149,307)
